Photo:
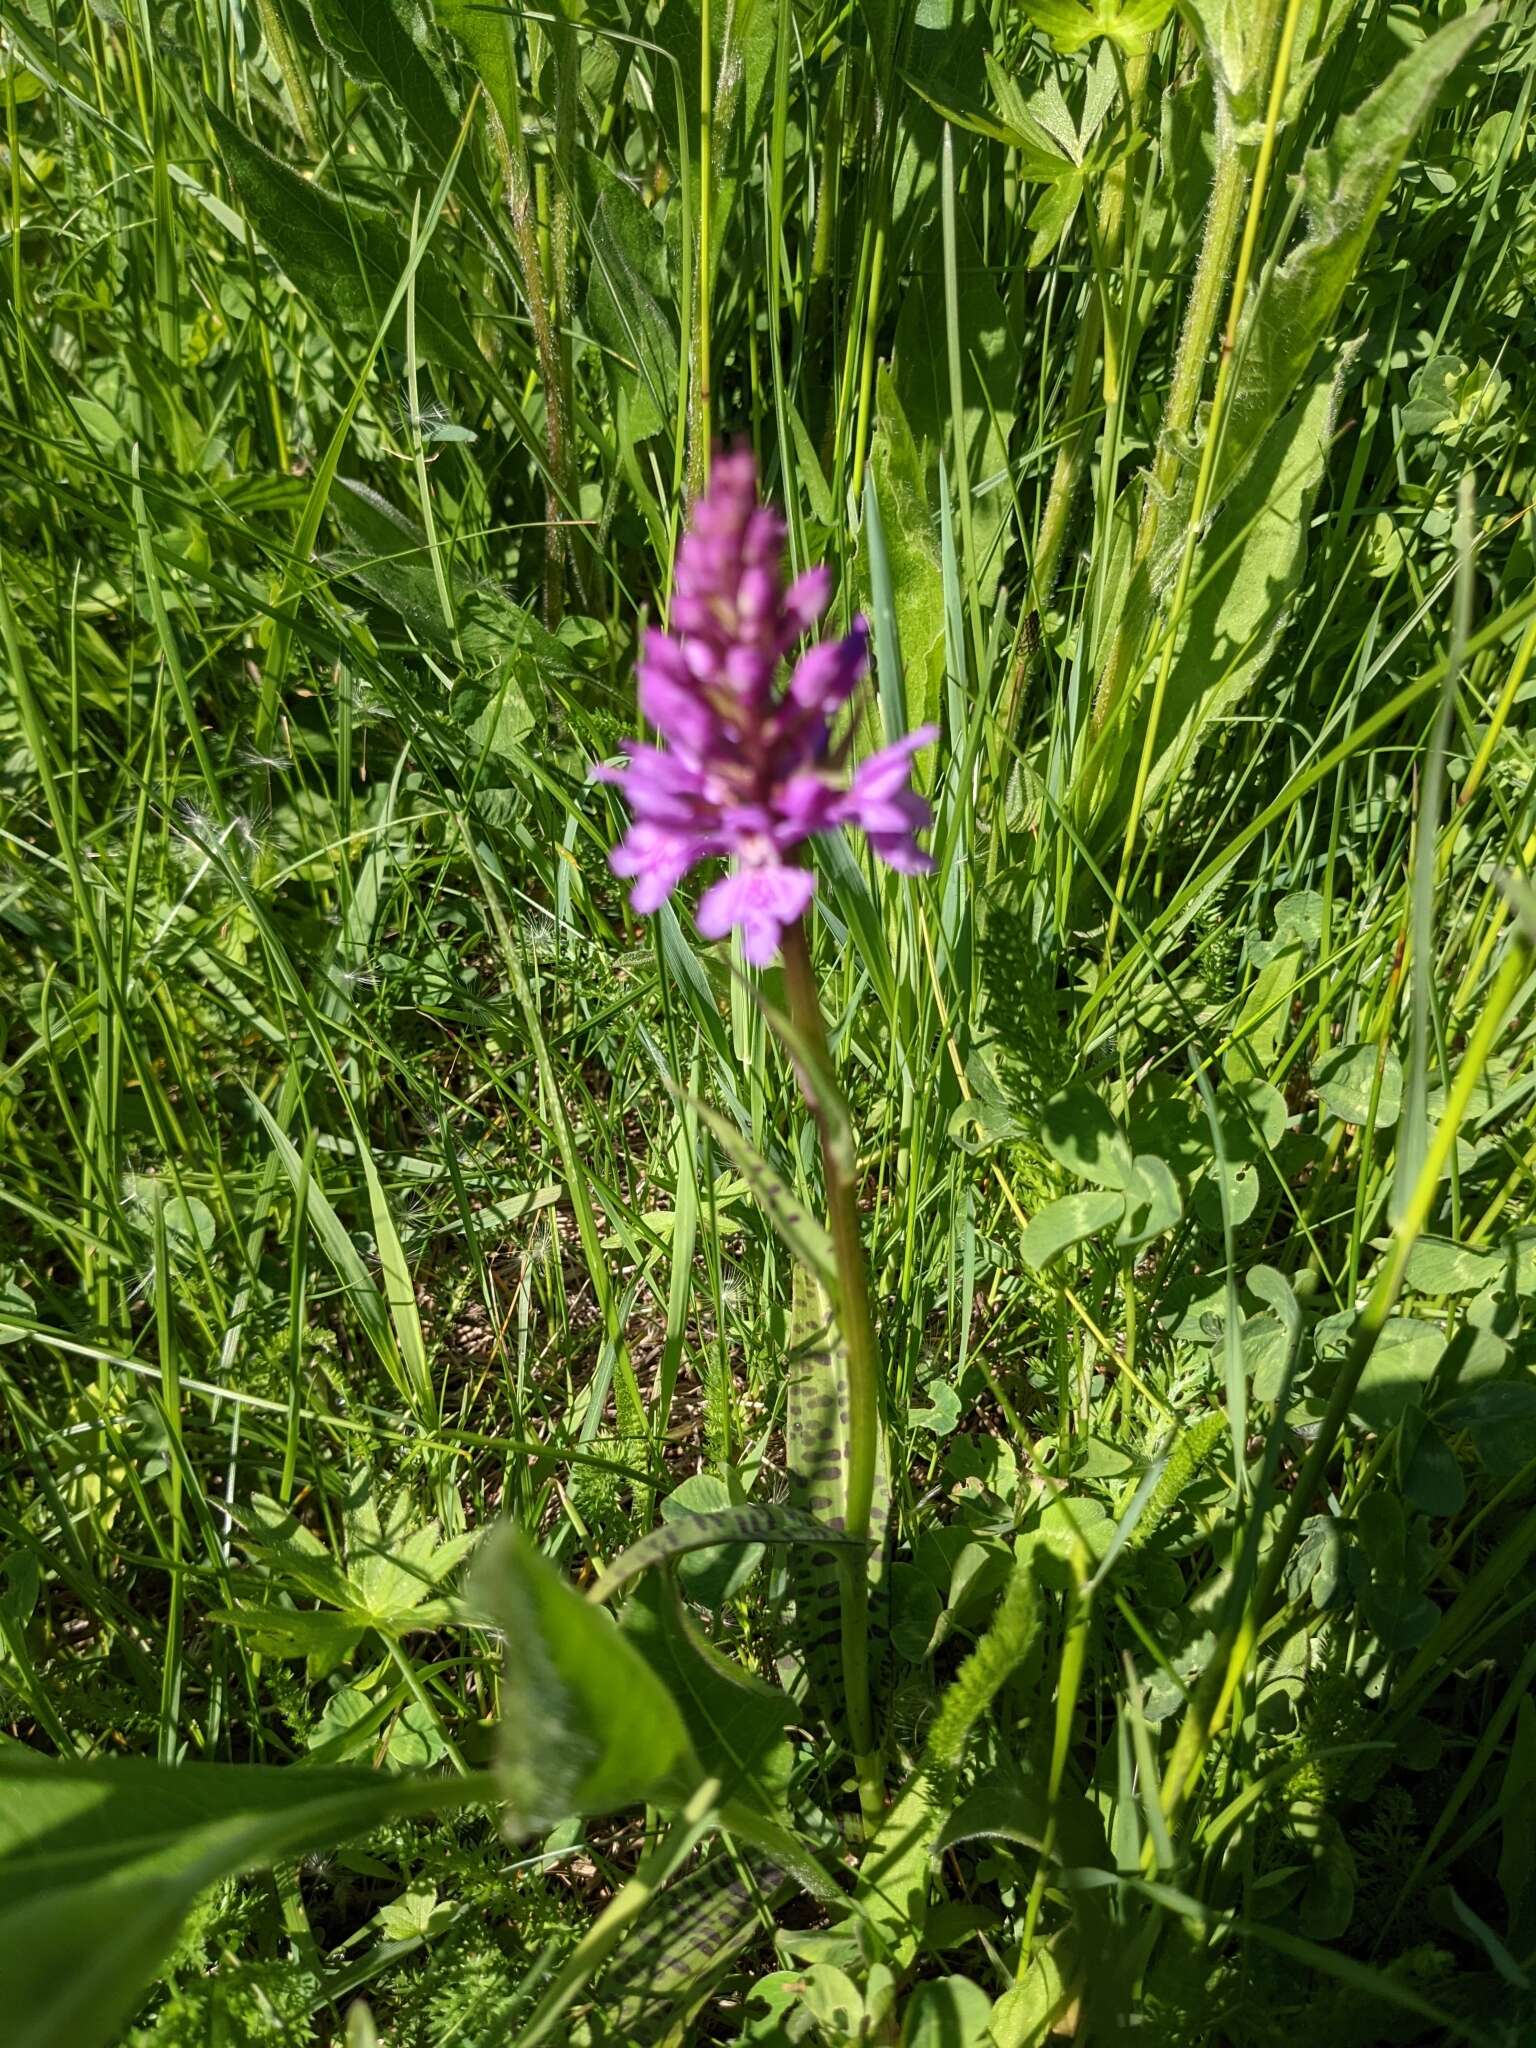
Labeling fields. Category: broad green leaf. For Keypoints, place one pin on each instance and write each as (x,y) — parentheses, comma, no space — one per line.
(816,1454)
(189,1226)
(1069,1221)
(701,1918)
(1077,1128)
(1006,1806)
(753,1524)
(1071,23)
(715,1574)
(1261,1025)
(392,1565)
(736,1722)
(1165,1117)
(1433,1481)
(99,1864)
(15,1302)
(586,1725)
(742,40)
(346,258)
(1238,1181)
(1152,1202)
(1247,576)
(395,1558)
(388,555)
(976,115)
(1252,1111)
(1345,182)
(1233,41)
(1347,1077)
(911,552)
(389,43)
(324,1636)
(291,1553)
(1030,2015)
(488,34)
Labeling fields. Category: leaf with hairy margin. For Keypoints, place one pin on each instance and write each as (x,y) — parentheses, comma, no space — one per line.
(345,257)
(586,1726)
(389,43)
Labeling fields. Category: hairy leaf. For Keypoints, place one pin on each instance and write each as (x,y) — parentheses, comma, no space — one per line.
(389,43)
(344,256)
(587,1726)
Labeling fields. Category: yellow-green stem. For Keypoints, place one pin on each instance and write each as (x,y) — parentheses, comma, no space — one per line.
(1205,479)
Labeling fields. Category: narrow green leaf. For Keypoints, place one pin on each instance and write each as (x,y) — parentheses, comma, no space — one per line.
(399,1292)
(753,1523)
(343,1254)
(800,1230)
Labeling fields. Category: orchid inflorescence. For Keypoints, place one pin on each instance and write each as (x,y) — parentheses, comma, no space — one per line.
(748,769)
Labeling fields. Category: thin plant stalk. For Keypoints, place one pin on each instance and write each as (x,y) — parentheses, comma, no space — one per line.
(1218,245)
(522,211)
(279,41)
(1206,476)
(1071,464)
(701,433)
(863,1366)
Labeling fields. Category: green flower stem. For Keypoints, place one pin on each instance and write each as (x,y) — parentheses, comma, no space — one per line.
(1205,480)
(1082,416)
(279,40)
(1216,250)
(863,1366)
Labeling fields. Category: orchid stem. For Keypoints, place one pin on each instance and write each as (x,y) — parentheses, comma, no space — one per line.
(863,1369)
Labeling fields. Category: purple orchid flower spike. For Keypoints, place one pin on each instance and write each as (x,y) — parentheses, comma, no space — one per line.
(748,770)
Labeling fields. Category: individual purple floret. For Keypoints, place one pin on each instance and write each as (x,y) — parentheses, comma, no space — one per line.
(748,769)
